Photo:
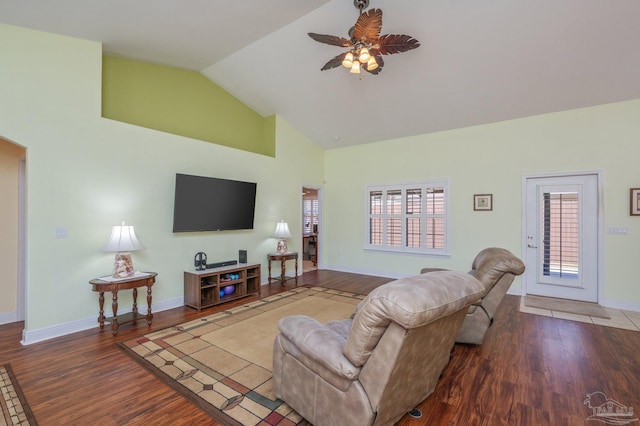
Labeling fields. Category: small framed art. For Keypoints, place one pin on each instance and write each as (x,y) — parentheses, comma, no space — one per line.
(635,202)
(483,202)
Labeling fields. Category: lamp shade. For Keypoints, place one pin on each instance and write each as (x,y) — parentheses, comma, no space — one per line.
(282,230)
(364,55)
(348,60)
(123,238)
(372,64)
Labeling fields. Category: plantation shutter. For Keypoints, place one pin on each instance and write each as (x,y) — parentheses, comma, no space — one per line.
(561,234)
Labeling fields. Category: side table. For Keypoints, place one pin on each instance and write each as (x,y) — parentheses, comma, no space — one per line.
(283,257)
(144,279)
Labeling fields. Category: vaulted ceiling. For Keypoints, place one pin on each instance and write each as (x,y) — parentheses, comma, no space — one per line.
(480,61)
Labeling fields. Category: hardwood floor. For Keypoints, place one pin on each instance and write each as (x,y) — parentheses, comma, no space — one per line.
(531,370)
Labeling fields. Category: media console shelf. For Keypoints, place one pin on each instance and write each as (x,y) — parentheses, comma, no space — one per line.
(203,289)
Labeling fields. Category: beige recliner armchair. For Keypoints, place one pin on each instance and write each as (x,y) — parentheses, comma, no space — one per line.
(374,368)
(495,268)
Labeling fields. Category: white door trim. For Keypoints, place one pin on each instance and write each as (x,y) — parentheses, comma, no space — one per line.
(22,241)
(319,245)
(600,231)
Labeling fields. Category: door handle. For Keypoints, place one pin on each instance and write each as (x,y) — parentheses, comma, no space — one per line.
(531,246)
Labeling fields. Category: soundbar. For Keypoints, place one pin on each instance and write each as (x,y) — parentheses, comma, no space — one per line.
(220,264)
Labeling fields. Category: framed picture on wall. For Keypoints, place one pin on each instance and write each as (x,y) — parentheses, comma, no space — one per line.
(483,202)
(635,202)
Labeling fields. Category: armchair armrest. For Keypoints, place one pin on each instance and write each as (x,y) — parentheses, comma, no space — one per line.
(318,344)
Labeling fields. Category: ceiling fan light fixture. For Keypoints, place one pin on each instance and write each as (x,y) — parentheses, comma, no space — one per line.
(365,43)
(372,64)
(364,55)
(348,60)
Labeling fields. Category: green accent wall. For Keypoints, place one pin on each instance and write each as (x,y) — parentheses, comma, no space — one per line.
(182,102)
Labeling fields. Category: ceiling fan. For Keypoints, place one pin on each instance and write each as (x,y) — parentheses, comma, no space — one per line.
(366,45)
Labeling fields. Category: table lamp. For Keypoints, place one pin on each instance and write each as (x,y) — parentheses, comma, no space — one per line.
(122,241)
(282,232)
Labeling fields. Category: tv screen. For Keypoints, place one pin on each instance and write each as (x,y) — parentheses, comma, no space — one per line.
(212,204)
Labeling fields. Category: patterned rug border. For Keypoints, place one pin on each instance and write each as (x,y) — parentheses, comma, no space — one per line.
(179,389)
(6,374)
(190,395)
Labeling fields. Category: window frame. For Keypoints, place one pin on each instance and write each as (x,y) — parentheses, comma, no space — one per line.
(384,216)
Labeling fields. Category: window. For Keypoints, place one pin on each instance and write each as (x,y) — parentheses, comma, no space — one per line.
(410,218)
(561,239)
(309,215)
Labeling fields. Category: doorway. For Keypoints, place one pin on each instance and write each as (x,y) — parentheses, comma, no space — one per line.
(310,228)
(562,228)
(12,229)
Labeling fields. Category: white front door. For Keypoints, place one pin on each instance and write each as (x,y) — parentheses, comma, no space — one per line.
(561,228)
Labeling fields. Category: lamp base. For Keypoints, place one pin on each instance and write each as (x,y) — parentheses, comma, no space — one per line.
(282,247)
(123,266)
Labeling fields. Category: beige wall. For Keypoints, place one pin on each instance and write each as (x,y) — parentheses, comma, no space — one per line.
(86,173)
(10,157)
(492,159)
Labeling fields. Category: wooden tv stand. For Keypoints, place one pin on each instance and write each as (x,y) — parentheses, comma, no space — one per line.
(202,288)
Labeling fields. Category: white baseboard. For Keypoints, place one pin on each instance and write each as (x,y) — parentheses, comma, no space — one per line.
(46,333)
(50,332)
(375,273)
(515,291)
(8,317)
(608,303)
(620,304)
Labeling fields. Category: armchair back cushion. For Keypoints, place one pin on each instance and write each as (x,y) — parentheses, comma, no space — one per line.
(496,269)
(492,263)
(410,302)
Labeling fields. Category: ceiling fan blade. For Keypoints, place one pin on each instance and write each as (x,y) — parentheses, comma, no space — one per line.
(389,44)
(368,25)
(331,40)
(334,62)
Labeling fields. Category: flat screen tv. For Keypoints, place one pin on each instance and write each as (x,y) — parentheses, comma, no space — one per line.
(212,204)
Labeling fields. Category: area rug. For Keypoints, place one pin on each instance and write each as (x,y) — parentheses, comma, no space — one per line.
(564,305)
(222,362)
(13,404)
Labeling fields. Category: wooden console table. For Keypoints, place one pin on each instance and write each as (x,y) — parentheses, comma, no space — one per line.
(207,288)
(114,287)
(283,257)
